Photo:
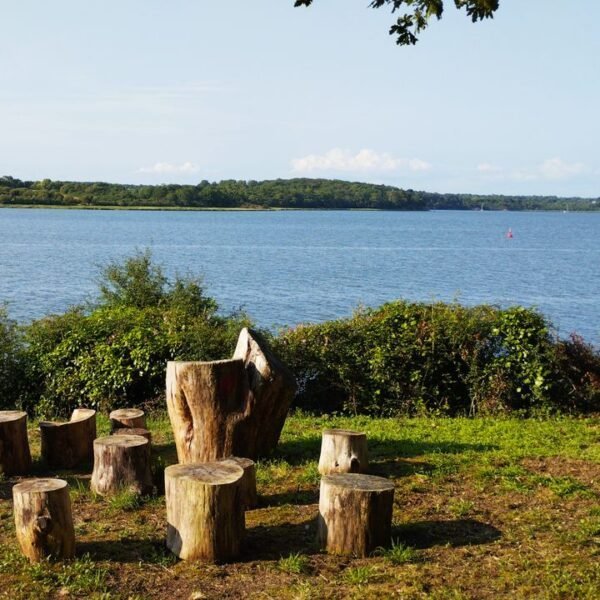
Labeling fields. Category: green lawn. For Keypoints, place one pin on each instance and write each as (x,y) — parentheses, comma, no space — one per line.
(484,508)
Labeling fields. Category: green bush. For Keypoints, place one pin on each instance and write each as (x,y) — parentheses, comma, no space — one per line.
(444,358)
(12,363)
(115,354)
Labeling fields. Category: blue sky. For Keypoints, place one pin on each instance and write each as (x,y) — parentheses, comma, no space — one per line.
(149,91)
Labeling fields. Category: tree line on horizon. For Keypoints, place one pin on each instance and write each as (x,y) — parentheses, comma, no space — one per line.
(299,193)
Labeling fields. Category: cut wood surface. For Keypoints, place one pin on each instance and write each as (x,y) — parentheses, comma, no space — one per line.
(248,483)
(15,457)
(355,513)
(68,445)
(127,417)
(205,514)
(233,407)
(343,451)
(43,519)
(133,431)
(121,462)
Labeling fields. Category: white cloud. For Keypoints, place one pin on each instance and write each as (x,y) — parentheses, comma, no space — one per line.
(489,169)
(162,168)
(365,161)
(556,168)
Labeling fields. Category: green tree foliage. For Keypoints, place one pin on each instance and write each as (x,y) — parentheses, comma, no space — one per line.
(12,362)
(416,14)
(443,358)
(300,193)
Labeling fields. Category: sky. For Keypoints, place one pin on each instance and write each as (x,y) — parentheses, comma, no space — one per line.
(150,91)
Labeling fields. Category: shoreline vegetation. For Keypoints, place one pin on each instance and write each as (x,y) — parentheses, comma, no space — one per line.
(279,194)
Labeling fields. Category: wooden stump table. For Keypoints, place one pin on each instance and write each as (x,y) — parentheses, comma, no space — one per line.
(129,418)
(43,519)
(355,513)
(121,462)
(249,497)
(205,514)
(69,445)
(15,457)
(343,451)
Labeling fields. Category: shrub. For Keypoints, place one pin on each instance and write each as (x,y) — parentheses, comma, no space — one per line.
(443,358)
(12,364)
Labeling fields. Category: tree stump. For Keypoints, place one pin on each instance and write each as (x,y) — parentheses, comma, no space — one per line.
(231,407)
(68,445)
(355,513)
(133,431)
(15,457)
(43,519)
(205,514)
(131,418)
(248,482)
(343,451)
(121,462)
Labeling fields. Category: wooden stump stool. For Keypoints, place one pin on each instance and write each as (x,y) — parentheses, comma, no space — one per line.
(15,458)
(133,431)
(248,482)
(131,418)
(343,451)
(205,514)
(68,445)
(355,513)
(43,519)
(121,462)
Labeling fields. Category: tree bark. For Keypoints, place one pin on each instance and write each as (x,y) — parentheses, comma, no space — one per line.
(15,457)
(121,462)
(205,514)
(134,431)
(355,513)
(343,451)
(43,519)
(249,497)
(131,418)
(68,445)
(270,391)
(231,407)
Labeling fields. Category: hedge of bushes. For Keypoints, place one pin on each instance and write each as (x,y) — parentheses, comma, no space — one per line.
(400,358)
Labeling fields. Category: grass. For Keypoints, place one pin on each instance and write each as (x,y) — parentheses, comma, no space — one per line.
(484,508)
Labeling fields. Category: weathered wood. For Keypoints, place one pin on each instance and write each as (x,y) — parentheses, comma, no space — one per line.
(205,514)
(132,418)
(231,407)
(15,457)
(68,445)
(133,431)
(248,483)
(270,391)
(355,513)
(121,462)
(343,451)
(43,519)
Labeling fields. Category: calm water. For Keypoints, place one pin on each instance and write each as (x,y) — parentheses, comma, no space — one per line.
(291,267)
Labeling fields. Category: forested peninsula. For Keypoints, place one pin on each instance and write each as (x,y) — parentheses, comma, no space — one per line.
(300,193)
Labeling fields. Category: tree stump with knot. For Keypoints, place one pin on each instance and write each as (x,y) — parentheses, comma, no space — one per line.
(69,445)
(121,462)
(355,513)
(15,457)
(343,451)
(43,519)
(205,514)
(129,418)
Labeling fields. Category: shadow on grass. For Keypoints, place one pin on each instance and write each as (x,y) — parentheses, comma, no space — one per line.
(274,541)
(462,532)
(296,498)
(297,452)
(127,550)
(6,486)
